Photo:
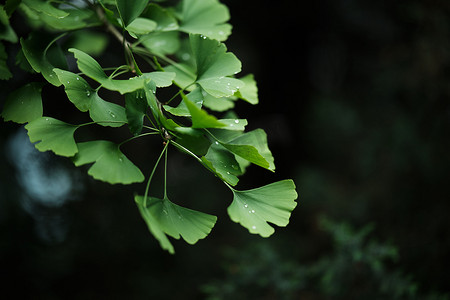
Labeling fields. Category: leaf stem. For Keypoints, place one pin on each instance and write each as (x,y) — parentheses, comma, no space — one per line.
(151,175)
(137,136)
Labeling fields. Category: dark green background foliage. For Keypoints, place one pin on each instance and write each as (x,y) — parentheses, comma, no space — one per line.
(354,99)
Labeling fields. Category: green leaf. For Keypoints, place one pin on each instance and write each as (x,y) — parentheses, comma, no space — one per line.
(206,17)
(130,10)
(34,50)
(141,26)
(76,19)
(223,163)
(46,8)
(107,113)
(24,105)
(253,147)
(248,92)
(176,221)
(53,135)
(153,225)
(200,118)
(218,104)
(182,110)
(91,68)
(162,43)
(77,89)
(271,203)
(164,19)
(234,124)
(87,99)
(135,108)
(213,65)
(5,74)
(90,42)
(109,163)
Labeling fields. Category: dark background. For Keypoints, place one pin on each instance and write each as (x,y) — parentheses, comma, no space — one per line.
(355,99)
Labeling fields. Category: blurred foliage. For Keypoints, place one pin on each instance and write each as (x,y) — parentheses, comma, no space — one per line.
(356,267)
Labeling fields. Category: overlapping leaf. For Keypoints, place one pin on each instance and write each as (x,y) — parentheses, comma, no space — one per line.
(213,68)
(130,10)
(24,105)
(52,134)
(272,203)
(253,147)
(164,217)
(109,163)
(206,17)
(87,99)
(43,61)
(91,68)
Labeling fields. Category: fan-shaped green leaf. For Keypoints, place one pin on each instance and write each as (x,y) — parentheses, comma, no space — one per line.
(91,68)
(176,221)
(248,92)
(271,203)
(77,89)
(110,164)
(43,61)
(213,64)
(223,163)
(87,99)
(24,105)
(206,17)
(164,19)
(200,118)
(141,26)
(253,147)
(153,225)
(52,134)
(46,8)
(135,108)
(130,10)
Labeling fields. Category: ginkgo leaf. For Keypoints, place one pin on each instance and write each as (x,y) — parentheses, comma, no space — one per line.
(46,8)
(141,26)
(176,221)
(52,134)
(253,147)
(223,163)
(85,98)
(109,163)
(272,203)
(43,61)
(182,110)
(130,10)
(248,92)
(135,109)
(206,17)
(153,225)
(213,65)
(24,105)
(200,118)
(91,68)
(165,21)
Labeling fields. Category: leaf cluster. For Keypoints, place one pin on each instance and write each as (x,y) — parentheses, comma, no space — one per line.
(183,47)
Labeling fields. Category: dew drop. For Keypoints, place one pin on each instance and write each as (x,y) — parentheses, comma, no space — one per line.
(228,173)
(68,82)
(236,121)
(78,78)
(88,93)
(253,211)
(46,119)
(253,227)
(120,159)
(112,114)
(216,142)
(245,205)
